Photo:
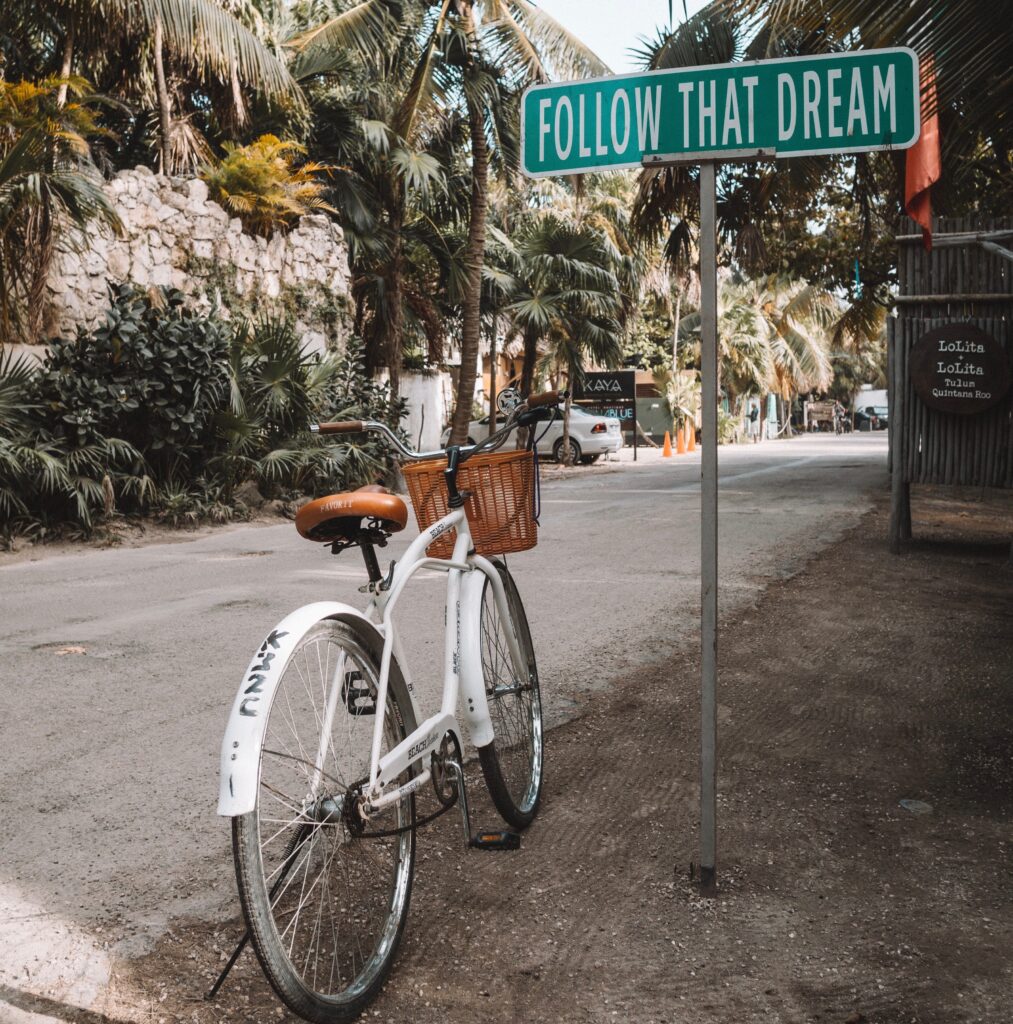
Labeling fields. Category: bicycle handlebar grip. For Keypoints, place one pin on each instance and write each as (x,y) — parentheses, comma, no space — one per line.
(344,427)
(546,398)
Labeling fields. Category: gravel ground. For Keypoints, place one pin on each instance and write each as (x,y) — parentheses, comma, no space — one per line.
(860,684)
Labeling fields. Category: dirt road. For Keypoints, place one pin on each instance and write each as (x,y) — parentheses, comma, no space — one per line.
(824,729)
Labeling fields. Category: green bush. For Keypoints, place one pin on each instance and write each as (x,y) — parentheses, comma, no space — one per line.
(165,411)
(153,374)
(49,484)
(277,388)
(261,184)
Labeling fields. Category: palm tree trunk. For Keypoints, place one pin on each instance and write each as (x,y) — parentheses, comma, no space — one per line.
(675,334)
(164,118)
(567,454)
(393,345)
(67,65)
(492,376)
(530,356)
(474,255)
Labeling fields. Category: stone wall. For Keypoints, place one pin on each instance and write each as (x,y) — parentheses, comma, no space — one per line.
(174,235)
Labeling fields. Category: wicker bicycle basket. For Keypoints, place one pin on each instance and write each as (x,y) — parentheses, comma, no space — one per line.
(500,510)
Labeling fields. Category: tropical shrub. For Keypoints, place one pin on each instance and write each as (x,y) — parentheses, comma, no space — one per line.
(165,411)
(153,373)
(277,388)
(49,483)
(261,184)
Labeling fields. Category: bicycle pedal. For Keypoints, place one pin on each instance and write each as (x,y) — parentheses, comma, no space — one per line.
(496,841)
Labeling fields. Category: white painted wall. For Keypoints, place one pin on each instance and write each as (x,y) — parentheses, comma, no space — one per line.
(427,413)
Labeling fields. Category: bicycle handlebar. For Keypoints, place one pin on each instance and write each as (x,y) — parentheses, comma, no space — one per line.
(342,427)
(491,443)
(546,398)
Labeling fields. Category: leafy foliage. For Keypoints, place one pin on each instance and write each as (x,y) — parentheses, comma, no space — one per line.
(46,483)
(263,186)
(47,185)
(163,410)
(152,374)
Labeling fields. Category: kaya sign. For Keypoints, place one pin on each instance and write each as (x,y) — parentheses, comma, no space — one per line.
(959,368)
(829,103)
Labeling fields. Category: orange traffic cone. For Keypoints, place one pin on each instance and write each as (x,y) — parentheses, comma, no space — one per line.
(680,442)
(666,451)
(690,437)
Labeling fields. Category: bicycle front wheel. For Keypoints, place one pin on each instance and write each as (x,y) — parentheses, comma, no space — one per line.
(324,902)
(512,763)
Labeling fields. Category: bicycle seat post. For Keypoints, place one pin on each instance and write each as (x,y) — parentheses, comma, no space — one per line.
(365,542)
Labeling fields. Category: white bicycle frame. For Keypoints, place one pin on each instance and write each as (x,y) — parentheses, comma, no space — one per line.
(467,574)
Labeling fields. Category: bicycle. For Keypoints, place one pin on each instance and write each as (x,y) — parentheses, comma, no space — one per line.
(324,754)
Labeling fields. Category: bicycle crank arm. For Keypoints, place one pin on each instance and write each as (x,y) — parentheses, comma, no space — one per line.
(485,839)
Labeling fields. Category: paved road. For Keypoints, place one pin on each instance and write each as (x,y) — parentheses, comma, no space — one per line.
(109,775)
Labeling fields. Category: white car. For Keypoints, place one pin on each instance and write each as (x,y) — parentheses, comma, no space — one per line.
(590,435)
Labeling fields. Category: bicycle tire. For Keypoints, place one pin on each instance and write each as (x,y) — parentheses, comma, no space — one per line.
(361,886)
(513,762)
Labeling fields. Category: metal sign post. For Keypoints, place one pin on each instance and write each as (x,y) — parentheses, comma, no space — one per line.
(711,385)
(850,102)
(710,380)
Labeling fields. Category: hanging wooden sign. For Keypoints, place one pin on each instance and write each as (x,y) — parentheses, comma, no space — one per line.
(960,369)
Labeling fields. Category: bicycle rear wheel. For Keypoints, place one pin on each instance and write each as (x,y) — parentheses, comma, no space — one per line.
(512,763)
(324,905)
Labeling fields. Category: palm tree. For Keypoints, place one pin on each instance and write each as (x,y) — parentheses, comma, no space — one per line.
(970,44)
(136,45)
(536,46)
(47,183)
(564,298)
(773,336)
(468,46)
(391,155)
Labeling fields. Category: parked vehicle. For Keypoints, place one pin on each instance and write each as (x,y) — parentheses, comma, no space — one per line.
(872,417)
(591,436)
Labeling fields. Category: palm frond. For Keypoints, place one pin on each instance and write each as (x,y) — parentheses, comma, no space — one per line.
(363,28)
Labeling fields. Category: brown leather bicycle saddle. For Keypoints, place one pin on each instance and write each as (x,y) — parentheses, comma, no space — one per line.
(339,515)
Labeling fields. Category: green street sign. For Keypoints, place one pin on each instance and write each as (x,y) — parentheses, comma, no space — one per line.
(829,103)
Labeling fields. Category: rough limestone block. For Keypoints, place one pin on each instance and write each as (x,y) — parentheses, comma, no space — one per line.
(203,249)
(162,275)
(235,226)
(197,190)
(119,263)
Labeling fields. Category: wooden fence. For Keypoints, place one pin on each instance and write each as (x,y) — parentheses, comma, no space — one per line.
(966,279)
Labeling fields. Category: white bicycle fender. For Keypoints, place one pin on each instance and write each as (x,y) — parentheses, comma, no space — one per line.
(474,708)
(240,758)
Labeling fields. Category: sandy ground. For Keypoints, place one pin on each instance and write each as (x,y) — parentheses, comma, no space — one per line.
(861,682)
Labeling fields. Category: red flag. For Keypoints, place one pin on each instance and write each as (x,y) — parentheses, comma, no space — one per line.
(922,166)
